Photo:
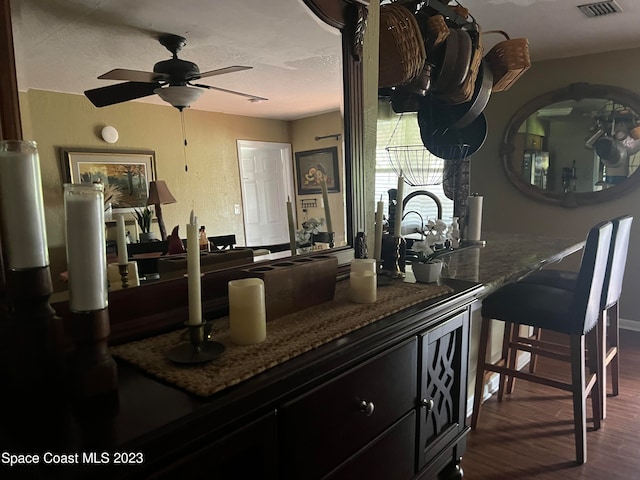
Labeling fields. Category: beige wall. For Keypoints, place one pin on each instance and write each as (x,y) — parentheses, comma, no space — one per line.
(507,210)
(210,186)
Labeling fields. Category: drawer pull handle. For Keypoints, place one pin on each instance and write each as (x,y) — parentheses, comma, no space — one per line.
(427,403)
(367,408)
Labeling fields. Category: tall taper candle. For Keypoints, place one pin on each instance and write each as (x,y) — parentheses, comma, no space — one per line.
(292,228)
(397,231)
(377,242)
(327,208)
(123,258)
(193,271)
(86,247)
(23,233)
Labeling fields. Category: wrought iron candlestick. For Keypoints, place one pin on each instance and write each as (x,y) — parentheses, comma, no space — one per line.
(396,272)
(199,349)
(124,275)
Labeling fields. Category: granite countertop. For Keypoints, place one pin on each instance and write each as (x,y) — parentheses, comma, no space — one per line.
(506,257)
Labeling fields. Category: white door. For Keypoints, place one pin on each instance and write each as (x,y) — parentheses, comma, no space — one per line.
(266,181)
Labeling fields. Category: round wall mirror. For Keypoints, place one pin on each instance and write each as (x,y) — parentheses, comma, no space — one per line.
(575,146)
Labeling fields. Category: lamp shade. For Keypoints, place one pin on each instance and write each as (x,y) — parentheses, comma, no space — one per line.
(180,96)
(159,193)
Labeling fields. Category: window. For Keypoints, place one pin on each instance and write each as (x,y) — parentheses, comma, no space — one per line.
(395,130)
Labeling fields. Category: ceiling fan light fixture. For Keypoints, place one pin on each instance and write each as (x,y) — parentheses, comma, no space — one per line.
(179,96)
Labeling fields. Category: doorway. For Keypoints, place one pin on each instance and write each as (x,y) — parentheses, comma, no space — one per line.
(266,181)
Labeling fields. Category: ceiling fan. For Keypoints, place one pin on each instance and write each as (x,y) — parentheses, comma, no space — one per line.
(170,80)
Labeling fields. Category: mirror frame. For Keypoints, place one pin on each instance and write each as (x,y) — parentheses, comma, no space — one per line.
(349,16)
(576,91)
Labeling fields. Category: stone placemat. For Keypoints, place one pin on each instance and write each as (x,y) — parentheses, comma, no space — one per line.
(287,337)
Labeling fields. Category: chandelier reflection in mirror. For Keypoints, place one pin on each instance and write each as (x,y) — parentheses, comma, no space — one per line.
(575,146)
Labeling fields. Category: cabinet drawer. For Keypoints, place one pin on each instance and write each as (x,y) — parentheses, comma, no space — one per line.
(390,456)
(323,428)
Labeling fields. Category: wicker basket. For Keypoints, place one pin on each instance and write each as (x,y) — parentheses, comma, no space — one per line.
(402,52)
(508,61)
(437,30)
(460,11)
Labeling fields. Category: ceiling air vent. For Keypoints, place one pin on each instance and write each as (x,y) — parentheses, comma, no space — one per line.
(598,9)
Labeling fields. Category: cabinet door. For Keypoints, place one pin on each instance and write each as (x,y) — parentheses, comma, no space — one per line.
(443,386)
(323,428)
(249,452)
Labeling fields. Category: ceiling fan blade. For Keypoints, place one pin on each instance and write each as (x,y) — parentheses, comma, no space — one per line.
(222,71)
(247,95)
(132,75)
(120,92)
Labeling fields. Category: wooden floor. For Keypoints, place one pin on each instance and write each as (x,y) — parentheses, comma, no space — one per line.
(530,433)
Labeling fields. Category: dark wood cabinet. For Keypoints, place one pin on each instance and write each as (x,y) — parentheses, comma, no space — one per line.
(339,425)
(386,401)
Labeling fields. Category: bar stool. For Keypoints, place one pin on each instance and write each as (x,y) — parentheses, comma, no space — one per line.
(609,305)
(574,313)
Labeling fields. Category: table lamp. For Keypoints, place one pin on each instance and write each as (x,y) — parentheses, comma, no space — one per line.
(159,194)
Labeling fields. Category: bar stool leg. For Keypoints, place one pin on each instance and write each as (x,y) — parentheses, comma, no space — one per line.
(602,362)
(485,331)
(579,397)
(613,353)
(507,355)
(594,366)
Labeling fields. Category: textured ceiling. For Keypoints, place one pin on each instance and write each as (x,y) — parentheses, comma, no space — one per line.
(63,45)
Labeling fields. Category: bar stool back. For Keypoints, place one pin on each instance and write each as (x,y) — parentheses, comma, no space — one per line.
(612,290)
(574,313)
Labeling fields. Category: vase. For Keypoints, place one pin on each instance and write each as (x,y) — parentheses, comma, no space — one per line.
(427,272)
(147,237)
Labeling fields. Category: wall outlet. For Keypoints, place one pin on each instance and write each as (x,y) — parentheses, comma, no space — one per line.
(236,208)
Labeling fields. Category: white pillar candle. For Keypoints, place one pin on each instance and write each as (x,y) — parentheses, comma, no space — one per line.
(363,287)
(247,311)
(327,209)
(397,231)
(377,243)
(292,228)
(193,271)
(86,247)
(22,208)
(474,218)
(363,265)
(123,258)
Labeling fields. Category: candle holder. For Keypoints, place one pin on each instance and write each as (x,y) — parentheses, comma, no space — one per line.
(396,272)
(93,371)
(32,339)
(198,350)
(124,275)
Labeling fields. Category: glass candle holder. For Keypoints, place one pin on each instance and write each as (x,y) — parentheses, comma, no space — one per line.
(21,206)
(86,252)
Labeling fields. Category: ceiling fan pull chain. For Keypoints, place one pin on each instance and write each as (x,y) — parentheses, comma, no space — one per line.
(184,137)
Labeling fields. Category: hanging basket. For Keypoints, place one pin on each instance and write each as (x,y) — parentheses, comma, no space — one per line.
(420,167)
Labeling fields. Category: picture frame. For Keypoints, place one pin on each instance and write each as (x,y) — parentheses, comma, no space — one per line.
(312,166)
(128,170)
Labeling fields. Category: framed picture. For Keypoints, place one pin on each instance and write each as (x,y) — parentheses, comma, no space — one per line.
(312,166)
(125,174)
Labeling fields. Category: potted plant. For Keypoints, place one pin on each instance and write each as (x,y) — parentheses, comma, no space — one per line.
(304,236)
(143,217)
(425,268)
